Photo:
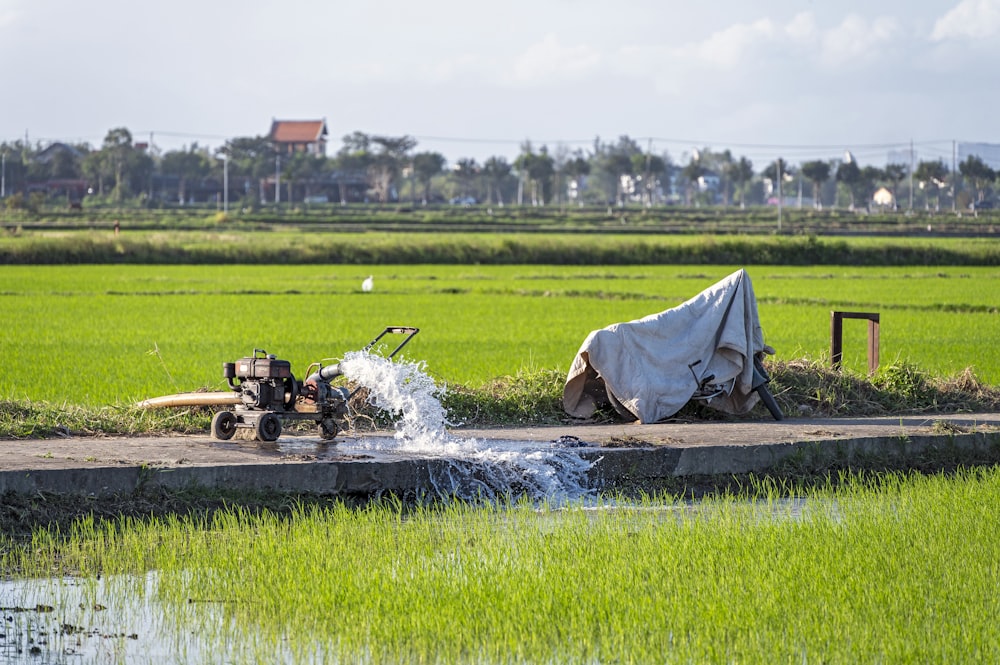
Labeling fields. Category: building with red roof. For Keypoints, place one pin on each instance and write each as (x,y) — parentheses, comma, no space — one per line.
(290,136)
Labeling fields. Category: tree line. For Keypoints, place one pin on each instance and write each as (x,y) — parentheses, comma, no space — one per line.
(251,172)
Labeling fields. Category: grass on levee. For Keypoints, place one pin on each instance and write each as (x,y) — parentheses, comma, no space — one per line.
(802,388)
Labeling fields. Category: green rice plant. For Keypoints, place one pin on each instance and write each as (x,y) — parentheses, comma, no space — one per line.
(113,335)
(891,568)
(369,243)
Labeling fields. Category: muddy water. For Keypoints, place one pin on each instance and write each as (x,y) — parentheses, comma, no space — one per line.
(108,620)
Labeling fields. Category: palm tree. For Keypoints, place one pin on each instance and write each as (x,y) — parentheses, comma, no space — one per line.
(817,172)
(849,174)
(930,174)
(895,173)
(742,174)
(465,170)
(186,165)
(495,170)
(426,165)
(692,174)
(575,169)
(976,170)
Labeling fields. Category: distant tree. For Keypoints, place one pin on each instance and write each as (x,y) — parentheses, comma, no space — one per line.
(251,157)
(817,172)
(495,170)
(16,157)
(741,173)
(61,164)
(303,168)
(536,169)
(576,168)
(465,172)
(894,174)
(186,165)
(612,167)
(693,173)
(118,155)
(119,160)
(389,154)
(96,169)
(977,171)
(777,171)
(353,157)
(724,164)
(932,177)
(849,175)
(426,165)
(356,142)
(646,169)
(868,182)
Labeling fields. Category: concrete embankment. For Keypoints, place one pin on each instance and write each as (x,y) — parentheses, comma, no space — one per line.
(624,456)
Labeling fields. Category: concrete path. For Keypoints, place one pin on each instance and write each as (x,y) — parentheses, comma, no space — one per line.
(622,454)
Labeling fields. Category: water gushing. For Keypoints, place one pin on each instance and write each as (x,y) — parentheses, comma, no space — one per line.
(470,468)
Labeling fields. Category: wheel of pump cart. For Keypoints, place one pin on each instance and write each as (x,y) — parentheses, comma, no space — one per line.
(328,428)
(268,427)
(224,425)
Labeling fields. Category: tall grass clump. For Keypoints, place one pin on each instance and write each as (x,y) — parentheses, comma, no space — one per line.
(812,388)
(895,568)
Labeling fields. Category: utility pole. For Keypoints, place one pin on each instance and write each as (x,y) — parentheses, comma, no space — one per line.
(277,178)
(225,183)
(954,175)
(911,175)
(780,176)
(3,175)
(648,183)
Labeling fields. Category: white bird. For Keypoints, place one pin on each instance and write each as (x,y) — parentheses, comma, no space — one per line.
(368,284)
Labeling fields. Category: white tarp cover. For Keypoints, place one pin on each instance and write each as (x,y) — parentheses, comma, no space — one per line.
(649,368)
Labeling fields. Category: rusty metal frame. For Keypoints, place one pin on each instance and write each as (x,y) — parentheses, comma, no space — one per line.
(837,337)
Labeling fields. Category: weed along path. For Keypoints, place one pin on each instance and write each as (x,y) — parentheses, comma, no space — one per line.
(565,461)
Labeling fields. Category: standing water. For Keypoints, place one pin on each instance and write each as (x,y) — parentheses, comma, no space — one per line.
(470,469)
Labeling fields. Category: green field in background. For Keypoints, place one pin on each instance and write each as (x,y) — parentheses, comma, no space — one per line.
(109,334)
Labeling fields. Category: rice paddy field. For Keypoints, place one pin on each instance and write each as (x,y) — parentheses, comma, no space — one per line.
(899,569)
(114,334)
(893,568)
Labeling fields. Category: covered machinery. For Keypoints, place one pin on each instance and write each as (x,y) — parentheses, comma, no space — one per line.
(708,348)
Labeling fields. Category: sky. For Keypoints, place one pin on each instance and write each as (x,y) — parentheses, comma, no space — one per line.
(800,79)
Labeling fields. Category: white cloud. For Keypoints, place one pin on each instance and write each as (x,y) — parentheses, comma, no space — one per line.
(976,19)
(9,13)
(455,68)
(802,28)
(727,48)
(764,43)
(550,60)
(857,39)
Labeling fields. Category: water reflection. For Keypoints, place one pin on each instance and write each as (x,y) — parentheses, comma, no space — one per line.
(116,619)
